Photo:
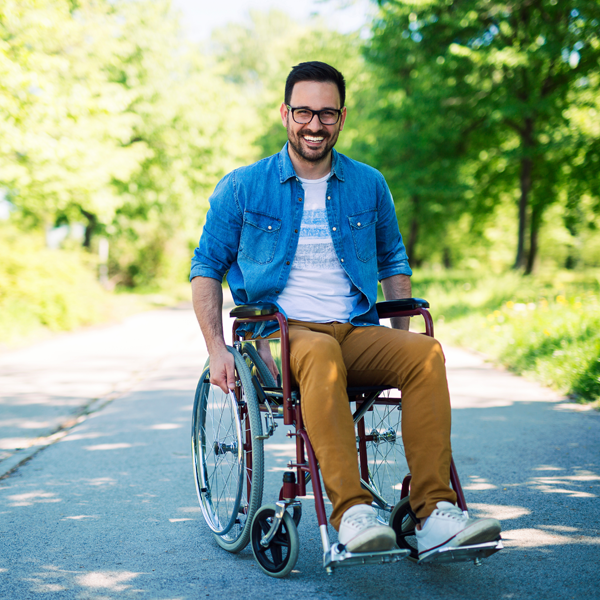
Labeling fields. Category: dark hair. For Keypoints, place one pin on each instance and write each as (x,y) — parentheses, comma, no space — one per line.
(315,71)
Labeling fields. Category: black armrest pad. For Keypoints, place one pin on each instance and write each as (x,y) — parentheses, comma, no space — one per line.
(253,310)
(384,308)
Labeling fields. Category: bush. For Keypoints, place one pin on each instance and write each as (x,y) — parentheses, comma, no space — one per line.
(54,289)
(544,326)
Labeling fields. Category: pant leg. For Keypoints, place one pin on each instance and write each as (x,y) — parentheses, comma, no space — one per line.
(415,364)
(317,366)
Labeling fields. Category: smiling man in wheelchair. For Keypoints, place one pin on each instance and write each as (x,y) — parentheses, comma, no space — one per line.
(313,231)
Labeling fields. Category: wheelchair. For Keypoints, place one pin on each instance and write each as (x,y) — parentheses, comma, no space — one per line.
(228,458)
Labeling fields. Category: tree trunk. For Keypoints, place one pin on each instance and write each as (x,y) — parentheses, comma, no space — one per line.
(92,221)
(534,229)
(413,233)
(447,258)
(526,179)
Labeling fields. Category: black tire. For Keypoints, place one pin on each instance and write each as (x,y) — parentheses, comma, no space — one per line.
(280,556)
(265,376)
(403,522)
(228,492)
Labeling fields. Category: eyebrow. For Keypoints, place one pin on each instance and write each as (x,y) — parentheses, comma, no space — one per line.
(309,108)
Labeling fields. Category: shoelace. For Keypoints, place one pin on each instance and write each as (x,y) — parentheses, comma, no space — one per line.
(454,513)
(361,519)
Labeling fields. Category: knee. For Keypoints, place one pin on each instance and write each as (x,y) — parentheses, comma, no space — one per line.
(433,359)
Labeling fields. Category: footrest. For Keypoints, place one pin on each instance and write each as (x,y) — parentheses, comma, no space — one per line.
(463,553)
(338,556)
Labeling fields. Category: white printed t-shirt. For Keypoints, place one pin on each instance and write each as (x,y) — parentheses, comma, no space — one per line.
(318,289)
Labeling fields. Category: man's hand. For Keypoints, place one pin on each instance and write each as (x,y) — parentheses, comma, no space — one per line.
(264,351)
(207,296)
(222,370)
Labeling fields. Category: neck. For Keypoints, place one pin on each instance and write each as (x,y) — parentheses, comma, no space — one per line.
(307,169)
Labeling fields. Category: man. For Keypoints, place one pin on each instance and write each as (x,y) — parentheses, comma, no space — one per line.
(313,231)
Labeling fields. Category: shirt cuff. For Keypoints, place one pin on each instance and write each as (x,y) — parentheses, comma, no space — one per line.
(400,268)
(204,271)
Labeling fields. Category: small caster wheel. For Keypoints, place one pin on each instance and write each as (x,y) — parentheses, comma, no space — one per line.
(280,556)
(297,514)
(403,522)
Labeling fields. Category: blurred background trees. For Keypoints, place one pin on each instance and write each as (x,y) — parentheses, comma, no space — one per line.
(483,116)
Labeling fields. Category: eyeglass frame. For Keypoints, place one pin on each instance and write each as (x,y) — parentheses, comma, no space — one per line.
(315,112)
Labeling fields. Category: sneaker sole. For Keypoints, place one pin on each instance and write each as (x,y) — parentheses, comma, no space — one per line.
(373,540)
(478,533)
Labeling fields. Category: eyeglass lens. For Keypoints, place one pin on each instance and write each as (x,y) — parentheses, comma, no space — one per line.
(305,115)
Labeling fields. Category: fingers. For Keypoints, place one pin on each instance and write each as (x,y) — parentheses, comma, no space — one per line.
(222,371)
(274,370)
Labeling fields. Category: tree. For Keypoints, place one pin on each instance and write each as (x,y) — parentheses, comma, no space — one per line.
(512,67)
(63,121)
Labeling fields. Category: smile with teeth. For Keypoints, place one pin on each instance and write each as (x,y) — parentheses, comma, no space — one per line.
(313,139)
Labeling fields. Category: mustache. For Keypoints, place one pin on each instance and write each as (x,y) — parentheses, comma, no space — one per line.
(322,132)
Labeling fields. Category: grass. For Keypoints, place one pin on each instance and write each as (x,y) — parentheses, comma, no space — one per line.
(545,326)
(44,291)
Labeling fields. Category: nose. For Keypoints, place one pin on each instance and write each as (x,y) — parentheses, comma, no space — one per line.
(312,119)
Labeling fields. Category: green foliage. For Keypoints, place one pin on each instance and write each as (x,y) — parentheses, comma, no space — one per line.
(55,289)
(490,84)
(258,57)
(546,327)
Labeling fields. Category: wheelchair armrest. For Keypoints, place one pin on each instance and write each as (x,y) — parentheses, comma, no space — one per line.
(393,306)
(253,310)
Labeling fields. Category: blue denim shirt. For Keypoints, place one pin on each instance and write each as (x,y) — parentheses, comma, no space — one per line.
(253,225)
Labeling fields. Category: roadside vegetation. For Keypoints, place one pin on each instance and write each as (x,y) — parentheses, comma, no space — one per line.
(482,116)
(545,327)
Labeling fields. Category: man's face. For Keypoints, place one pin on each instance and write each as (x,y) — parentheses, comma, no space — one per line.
(313,141)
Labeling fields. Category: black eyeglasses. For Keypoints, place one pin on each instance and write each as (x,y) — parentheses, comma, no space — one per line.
(327,116)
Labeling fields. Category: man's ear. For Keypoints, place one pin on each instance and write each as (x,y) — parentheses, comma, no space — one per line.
(343,118)
(283,109)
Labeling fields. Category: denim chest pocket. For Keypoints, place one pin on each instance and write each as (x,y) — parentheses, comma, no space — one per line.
(259,236)
(364,233)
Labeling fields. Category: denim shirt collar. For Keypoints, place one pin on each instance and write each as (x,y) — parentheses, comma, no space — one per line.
(286,168)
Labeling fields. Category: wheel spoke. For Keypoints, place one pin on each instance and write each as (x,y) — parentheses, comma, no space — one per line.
(227,498)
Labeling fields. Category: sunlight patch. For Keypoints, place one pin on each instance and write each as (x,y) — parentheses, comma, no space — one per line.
(101,481)
(479,483)
(497,511)
(108,447)
(533,538)
(111,580)
(32,497)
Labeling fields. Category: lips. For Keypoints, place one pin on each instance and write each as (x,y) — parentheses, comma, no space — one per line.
(314,139)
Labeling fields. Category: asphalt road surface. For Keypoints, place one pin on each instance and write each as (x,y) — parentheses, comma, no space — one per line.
(98,498)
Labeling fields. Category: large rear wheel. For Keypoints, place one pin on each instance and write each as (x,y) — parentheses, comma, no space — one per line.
(228,457)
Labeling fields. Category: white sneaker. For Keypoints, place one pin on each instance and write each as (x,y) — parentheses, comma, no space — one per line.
(447,526)
(361,531)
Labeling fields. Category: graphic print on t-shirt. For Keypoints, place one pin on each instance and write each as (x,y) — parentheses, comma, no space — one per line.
(315,249)
(318,288)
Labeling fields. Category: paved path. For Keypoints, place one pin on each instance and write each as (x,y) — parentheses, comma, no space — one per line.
(109,510)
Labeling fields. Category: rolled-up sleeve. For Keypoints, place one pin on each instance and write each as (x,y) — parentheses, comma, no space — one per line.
(218,246)
(391,253)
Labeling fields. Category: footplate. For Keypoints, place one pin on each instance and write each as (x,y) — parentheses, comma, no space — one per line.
(338,556)
(463,553)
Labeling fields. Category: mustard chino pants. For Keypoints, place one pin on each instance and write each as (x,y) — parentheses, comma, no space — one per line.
(327,357)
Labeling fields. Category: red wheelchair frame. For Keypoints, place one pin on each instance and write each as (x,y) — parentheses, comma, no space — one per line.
(272,527)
